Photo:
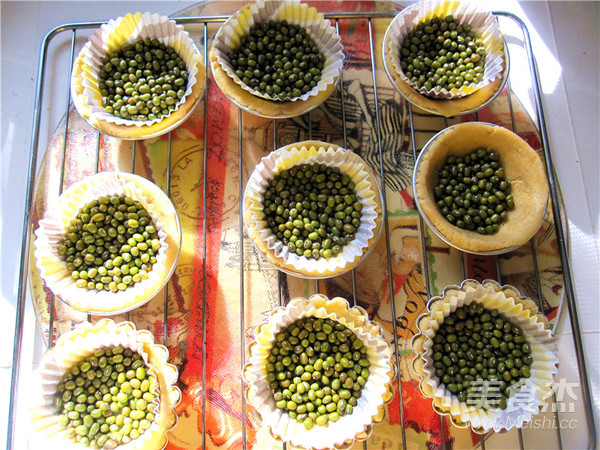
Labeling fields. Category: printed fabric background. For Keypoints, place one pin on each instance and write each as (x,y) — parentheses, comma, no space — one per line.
(222,287)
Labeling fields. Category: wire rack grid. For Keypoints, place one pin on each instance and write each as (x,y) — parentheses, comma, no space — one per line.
(203,22)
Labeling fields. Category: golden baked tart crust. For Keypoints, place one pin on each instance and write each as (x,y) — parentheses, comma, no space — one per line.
(278,261)
(133,131)
(523,167)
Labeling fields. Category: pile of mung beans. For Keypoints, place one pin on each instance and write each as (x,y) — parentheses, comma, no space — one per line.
(111,244)
(317,369)
(442,53)
(472,191)
(142,81)
(476,344)
(108,399)
(313,209)
(278,59)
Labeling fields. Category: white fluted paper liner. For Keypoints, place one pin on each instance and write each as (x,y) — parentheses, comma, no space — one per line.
(53,228)
(483,24)
(376,393)
(310,152)
(111,36)
(70,349)
(324,35)
(520,311)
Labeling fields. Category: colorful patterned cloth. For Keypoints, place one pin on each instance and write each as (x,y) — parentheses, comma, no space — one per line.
(204,294)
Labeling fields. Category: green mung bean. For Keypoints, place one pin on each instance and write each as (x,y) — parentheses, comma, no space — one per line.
(99,244)
(299,204)
(106,409)
(136,81)
(331,379)
(472,191)
(479,358)
(278,59)
(442,53)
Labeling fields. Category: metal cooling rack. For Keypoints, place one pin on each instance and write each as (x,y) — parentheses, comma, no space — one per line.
(204,21)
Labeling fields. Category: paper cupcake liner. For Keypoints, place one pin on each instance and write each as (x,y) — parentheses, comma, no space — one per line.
(376,393)
(73,347)
(520,311)
(112,36)
(483,24)
(350,164)
(324,35)
(51,234)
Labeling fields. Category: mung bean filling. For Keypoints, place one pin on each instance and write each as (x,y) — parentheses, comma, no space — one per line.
(279,59)
(312,209)
(442,53)
(317,369)
(107,399)
(479,354)
(473,193)
(144,80)
(111,244)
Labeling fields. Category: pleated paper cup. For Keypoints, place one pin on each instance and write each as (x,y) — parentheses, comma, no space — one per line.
(52,231)
(294,12)
(367,192)
(483,24)
(521,311)
(109,38)
(377,391)
(73,347)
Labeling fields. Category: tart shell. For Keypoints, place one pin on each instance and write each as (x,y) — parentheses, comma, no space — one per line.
(521,311)
(447,108)
(377,392)
(260,106)
(294,12)
(77,344)
(133,132)
(51,233)
(273,258)
(483,23)
(523,167)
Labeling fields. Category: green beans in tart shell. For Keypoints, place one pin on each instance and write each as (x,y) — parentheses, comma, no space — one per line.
(295,227)
(445,49)
(341,413)
(317,369)
(475,345)
(139,76)
(455,102)
(104,385)
(277,58)
(440,53)
(473,193)
(108,244)
(523,170)
(143,80)
(524,358)
(313,209)
(111,244)
(100,397)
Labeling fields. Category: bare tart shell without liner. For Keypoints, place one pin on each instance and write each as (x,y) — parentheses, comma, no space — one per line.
(523,167)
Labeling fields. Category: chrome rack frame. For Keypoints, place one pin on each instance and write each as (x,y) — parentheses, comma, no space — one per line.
(369,16)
